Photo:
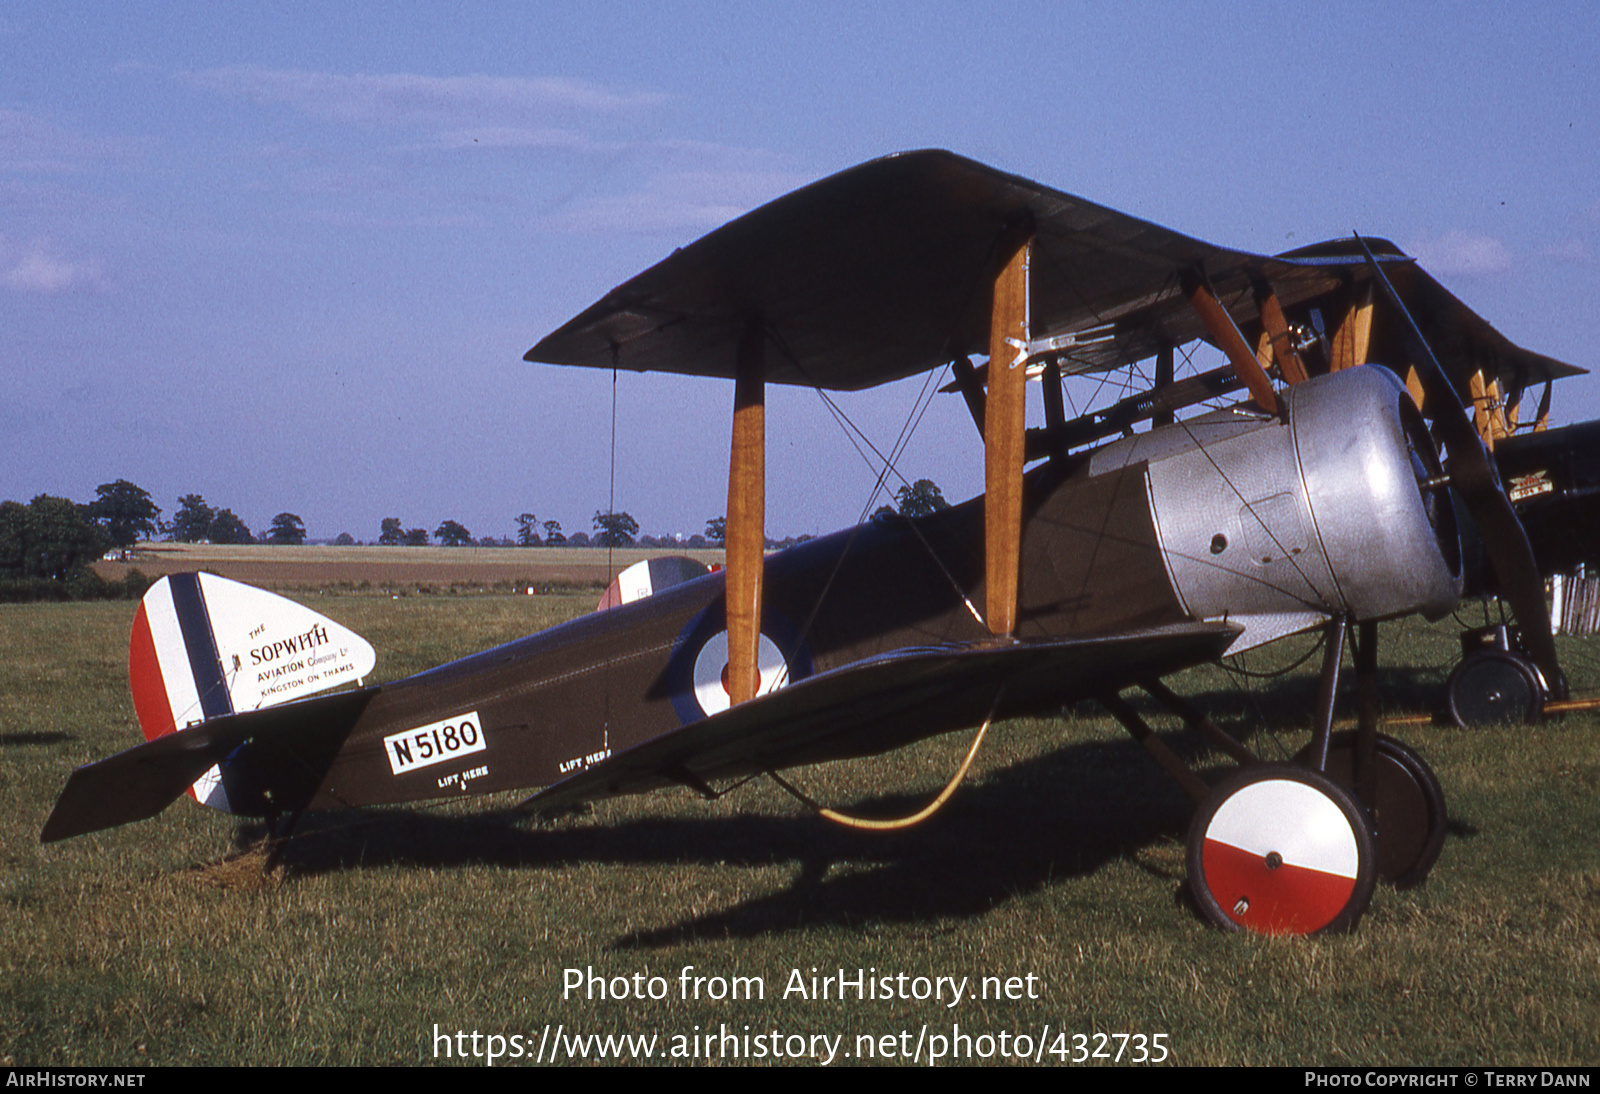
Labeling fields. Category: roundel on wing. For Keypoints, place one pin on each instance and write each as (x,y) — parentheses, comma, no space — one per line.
(699,666)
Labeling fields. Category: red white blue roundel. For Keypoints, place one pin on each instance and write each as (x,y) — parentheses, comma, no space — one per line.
(699,666)
(711,672)
(1280,857)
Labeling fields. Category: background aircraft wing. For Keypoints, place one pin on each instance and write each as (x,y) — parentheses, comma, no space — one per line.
(884,271)
(885,702)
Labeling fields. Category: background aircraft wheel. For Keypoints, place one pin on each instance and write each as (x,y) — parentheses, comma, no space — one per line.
(1281,850)
(1494,687)
(1409,817)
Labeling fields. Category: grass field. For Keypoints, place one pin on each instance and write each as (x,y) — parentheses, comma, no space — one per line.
(1061,859)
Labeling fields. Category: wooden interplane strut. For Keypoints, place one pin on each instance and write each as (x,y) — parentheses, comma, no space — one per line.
(1225,334)
(1275,333)
(746,528)
(1003,436)
(1488,409)
(1351,341)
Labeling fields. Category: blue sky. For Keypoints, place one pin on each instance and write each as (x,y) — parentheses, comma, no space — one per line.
(290,257)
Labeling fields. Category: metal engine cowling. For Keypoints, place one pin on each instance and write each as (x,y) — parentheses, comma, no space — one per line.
(1278,525)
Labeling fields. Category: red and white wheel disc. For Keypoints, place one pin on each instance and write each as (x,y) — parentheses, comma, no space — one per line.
(1281,857)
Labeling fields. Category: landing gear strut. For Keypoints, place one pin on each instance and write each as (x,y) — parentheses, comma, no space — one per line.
(1298,848)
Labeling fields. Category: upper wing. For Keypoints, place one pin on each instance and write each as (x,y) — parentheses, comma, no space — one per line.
(889,701)
(883,271)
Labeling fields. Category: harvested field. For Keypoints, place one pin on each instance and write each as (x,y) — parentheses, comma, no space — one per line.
(283,567)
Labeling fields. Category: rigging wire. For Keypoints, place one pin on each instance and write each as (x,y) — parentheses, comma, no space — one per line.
(914,419)
(611,510)
(886,464)
(1238,668)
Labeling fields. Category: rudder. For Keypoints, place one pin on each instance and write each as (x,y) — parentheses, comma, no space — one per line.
(204,646)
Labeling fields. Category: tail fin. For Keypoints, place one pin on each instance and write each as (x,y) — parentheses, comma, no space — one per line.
(649,577)
(203,646)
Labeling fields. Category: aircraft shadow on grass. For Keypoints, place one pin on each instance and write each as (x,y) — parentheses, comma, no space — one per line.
(1068,813)
(11,740)
(1007,835)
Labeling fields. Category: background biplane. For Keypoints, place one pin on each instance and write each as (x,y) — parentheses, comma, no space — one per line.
(1320,502)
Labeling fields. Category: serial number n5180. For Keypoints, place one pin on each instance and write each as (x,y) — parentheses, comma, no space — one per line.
(435,743)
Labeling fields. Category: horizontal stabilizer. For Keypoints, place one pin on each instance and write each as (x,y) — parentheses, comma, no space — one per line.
(886,702)
(142,781)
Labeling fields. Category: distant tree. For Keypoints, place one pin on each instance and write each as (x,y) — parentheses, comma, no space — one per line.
(392,533)
(124,513)
(228,528)
(13,538)
(552,534)
(345,540)
(416,537)
(717,530)
(695,541)
(287,528)
(452,534)
(48,538)
(192,522)
(920,498)
(614,529)
(883,512)
(527,530)
(577,539)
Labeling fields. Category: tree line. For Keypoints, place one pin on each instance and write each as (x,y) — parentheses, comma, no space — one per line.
(46,546)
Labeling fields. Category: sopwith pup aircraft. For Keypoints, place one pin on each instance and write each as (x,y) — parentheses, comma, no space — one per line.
(1344,467)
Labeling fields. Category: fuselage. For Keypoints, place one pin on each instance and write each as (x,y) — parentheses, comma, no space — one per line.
(1272,524)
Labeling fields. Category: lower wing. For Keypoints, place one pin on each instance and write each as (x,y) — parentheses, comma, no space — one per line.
(884,702)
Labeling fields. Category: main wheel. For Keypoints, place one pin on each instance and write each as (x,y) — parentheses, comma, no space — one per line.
(1494,687)
(1281,850)
(1408,818)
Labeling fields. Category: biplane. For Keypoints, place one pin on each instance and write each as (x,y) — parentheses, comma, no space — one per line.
(1336,472)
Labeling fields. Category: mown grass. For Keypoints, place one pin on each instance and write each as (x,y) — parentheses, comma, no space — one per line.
(1062,858)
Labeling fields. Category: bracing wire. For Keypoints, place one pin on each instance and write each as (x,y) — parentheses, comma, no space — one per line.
(611,509)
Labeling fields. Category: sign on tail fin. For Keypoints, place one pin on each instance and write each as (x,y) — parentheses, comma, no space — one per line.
(204,646)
